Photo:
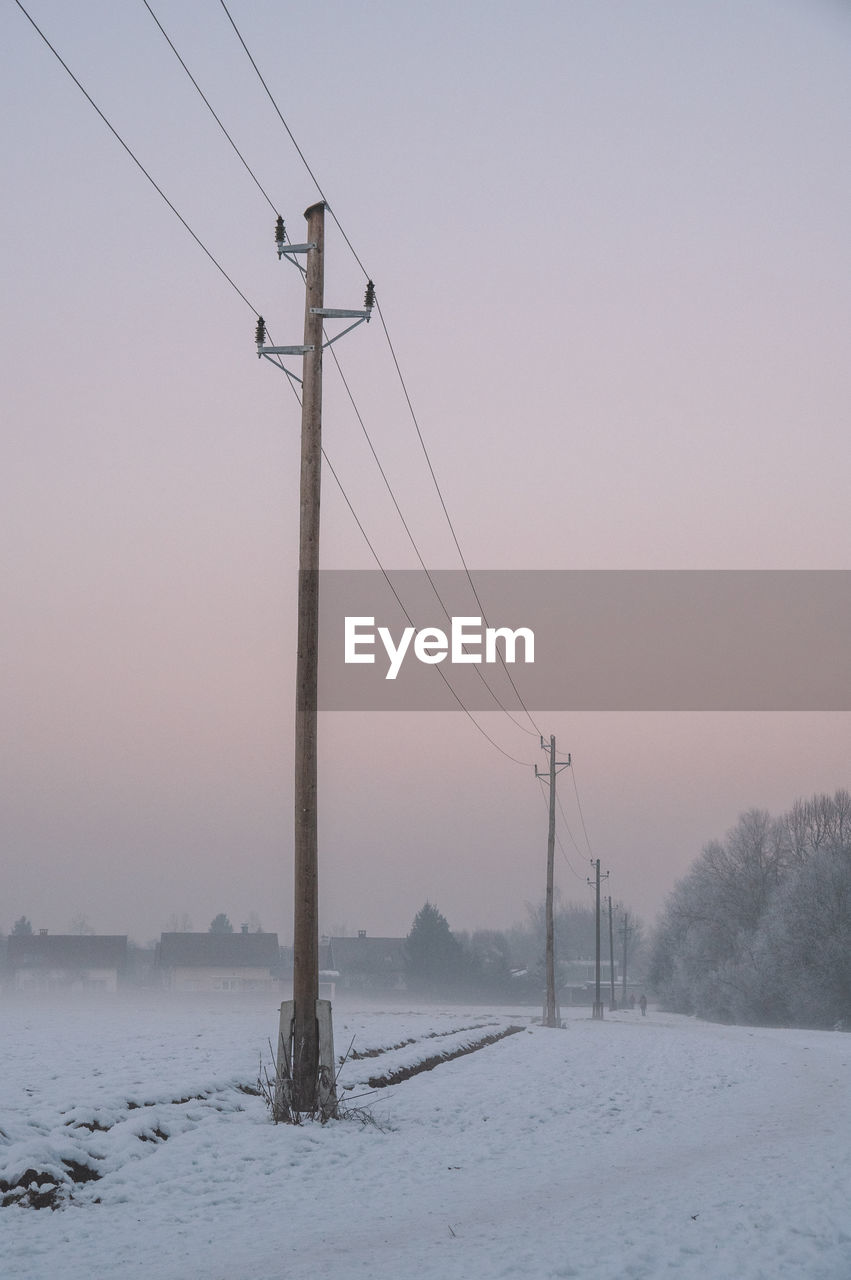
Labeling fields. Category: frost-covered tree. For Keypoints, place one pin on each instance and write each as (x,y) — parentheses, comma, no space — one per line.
(759,928)
(22,925)
(573,927)
(810,825)
(803,949)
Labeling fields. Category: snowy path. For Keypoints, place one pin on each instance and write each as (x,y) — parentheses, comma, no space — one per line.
(633,1148)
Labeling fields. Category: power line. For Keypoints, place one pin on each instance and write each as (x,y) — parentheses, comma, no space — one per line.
(536,731)
(567,826)
(358,414)
(536,727)
(411,538)
(389,582)
(256,313)
(394,356)
(581,817)
(387,579)
(407,529)
(291,135)
(558,837)
(135,159)
(209,107)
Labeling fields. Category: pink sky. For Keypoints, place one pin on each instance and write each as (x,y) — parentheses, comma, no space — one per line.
(611,246)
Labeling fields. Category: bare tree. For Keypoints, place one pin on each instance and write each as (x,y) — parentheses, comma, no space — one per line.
(178,923)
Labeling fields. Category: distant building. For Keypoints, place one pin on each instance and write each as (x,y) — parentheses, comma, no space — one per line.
(577,982)
(43,962)
(368,964)
(218,961)
(328,975)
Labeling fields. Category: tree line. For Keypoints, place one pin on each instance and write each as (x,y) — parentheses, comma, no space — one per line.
(759,930)
(493,963)
(174,924)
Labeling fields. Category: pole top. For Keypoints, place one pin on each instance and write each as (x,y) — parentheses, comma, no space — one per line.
(320,204)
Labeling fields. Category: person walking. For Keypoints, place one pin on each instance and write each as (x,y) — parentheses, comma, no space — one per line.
(643,1003)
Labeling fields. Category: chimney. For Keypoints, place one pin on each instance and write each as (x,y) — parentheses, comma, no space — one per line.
(244,928)
(361,933)
(42,933)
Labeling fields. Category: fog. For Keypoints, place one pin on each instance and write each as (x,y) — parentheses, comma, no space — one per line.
(610,243)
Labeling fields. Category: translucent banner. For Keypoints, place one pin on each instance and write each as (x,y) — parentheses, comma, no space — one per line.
(573,640)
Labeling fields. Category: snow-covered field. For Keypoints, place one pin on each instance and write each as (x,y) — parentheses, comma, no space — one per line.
(635,1147)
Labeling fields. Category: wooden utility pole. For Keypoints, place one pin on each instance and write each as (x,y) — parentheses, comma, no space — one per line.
(552,1015)
(598,1003)
(623,978)
(612,1001)
(306,1076)
(305,1049)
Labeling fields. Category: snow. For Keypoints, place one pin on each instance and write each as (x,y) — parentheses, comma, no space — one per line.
(628,1148)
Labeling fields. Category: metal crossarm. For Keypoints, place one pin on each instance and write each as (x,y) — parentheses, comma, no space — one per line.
(335,313)
(282,351)
(285,249)
(318,314)
(343,332)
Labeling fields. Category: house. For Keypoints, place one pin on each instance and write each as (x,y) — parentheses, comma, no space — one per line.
(328,976)
(368,964)
(577,981)
(218,961)
(41,962)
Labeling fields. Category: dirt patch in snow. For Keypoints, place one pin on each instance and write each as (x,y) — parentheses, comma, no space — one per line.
(437,1059)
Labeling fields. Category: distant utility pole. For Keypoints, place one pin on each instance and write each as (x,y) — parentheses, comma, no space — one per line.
(305,1060)
(612,1002)
(623,979)
(598,1003)
(552,1015)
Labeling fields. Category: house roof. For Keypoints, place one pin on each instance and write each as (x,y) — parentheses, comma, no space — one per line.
(66,951)
(212,950)
(368,955)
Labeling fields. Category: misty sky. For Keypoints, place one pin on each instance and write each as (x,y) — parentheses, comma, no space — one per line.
(611,245)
